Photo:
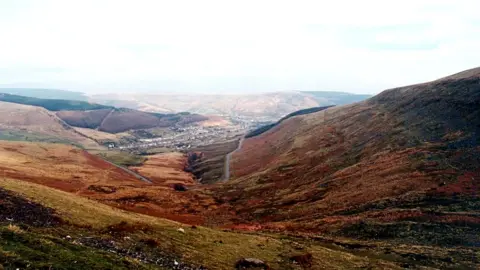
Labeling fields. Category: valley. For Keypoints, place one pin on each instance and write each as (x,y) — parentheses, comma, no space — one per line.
(390,182)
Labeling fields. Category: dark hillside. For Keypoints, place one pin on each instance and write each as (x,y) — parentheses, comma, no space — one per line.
(53,104)
(266,128)
(336,98)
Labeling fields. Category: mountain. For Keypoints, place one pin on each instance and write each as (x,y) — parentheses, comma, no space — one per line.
(270,105)
(402,166)
(45,93)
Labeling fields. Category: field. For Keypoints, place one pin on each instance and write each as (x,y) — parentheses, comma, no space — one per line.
(166,169)
(121,158)
(104,137)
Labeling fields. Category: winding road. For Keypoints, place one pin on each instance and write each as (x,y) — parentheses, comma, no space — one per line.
(226,170)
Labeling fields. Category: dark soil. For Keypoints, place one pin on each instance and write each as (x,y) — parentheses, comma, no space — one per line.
(14,208)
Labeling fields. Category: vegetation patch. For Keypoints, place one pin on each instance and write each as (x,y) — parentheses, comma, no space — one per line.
(266,128)
(122,158)
(53,104)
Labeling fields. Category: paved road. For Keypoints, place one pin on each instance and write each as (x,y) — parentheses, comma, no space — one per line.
(226,170)
(140,177)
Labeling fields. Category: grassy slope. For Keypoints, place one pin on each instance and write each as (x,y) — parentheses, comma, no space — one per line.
(121,157)
(199,246)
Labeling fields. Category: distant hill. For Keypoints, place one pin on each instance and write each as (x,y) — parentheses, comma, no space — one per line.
(45,93)
(271,106)
(53,104)
(104,118)
(121,119)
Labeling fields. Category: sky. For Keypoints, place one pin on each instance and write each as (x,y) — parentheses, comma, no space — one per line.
(101,46)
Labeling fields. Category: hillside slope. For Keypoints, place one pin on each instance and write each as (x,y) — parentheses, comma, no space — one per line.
(119,119)
(36,124)
(402,165)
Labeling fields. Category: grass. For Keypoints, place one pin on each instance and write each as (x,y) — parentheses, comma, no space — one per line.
(212,248)
(32,250)
(10,135)
(121,158)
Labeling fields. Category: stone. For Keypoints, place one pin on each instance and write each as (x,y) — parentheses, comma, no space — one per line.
(246,263)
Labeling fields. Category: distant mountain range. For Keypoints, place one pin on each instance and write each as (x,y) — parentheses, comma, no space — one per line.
(268,105)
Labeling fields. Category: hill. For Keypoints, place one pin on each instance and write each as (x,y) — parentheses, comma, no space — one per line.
(29,123)
(402,166)
(266,128)
(52,104)
(84,114)
(271,106)
(120,120)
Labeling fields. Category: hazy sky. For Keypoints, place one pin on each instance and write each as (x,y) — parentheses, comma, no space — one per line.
(235,46)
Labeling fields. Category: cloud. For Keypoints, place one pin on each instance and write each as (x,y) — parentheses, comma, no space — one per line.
(356,46)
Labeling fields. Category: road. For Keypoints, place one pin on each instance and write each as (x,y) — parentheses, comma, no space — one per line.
(226,170)
(138,176)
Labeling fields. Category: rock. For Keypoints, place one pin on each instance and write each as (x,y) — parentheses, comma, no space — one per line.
(305,260)
(180,187)
(246,263)
(68,237)
(181,230)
